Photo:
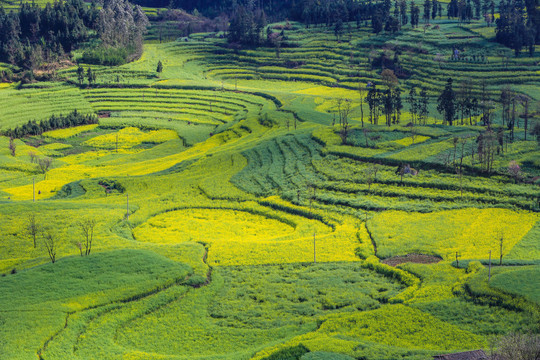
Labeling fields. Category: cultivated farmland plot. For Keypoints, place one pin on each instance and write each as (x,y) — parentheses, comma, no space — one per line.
(249,203)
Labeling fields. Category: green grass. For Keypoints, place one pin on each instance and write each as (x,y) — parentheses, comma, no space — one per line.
(43,296)
(21,106)
(518,282)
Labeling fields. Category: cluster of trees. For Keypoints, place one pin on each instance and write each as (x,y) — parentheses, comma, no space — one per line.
(247,26)
(277,9)
(33,34)
(418,106)
(385,101)
(35,230)
(464,10)
(392,20)
(54,122)
(464,103)
(120,27)
(331,11)
(518,25)
(89,74)
(461,105)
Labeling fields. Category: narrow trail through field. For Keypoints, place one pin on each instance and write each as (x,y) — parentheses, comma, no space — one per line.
(372,240)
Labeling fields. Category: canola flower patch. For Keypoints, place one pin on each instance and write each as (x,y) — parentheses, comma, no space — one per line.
(59,176)
(130,137)
(240,237)
(327,91)
(408,141)
(53,149)
(472,233)
(209,225)
(69,132)
(422,151)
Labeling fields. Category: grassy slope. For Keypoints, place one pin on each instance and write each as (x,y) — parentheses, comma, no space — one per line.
(290,170)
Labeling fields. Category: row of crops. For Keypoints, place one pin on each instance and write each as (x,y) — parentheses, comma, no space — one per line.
(424,59)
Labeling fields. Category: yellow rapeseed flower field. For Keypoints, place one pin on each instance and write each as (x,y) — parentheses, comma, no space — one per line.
(408,141)
(472,233)
(239,237)
(69,132)
(129,137)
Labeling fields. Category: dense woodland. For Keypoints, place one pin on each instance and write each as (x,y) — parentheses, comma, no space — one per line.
(34,35)
(517,27)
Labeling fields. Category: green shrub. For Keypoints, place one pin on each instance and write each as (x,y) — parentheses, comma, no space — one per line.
(290,353)
(474,266)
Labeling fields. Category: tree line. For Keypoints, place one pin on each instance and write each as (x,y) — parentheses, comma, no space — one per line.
(32,127)
(518,25)
(33,35)
(120,28)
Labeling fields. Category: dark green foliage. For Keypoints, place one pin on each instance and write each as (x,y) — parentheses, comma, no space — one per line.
(290,353)
(70,191)
(247,26)
(35,34)
(447,103)
(415,15)
(264,120)
(518,25)
(323,355)
(54,122)
(110,56)
(112,185)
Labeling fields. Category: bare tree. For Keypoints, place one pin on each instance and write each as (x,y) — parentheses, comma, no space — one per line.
(371,174)
(518,346)
(12,146)
(514,170)
(33,157)
(33,227)
(87,227)
(389,78)
(459,166)
(44,164)
(366,135)
(50,244)
(525,103)
(344,109)
(362,92)
(78,245)
(501,243)
(413,132)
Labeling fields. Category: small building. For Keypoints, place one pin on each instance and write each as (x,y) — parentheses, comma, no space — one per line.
(467,355)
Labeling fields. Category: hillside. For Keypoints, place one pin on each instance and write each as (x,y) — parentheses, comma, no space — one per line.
(251,202)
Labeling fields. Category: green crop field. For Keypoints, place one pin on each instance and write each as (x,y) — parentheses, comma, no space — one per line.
(229,219)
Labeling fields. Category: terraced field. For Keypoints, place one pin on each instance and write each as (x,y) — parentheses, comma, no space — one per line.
(231,221)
